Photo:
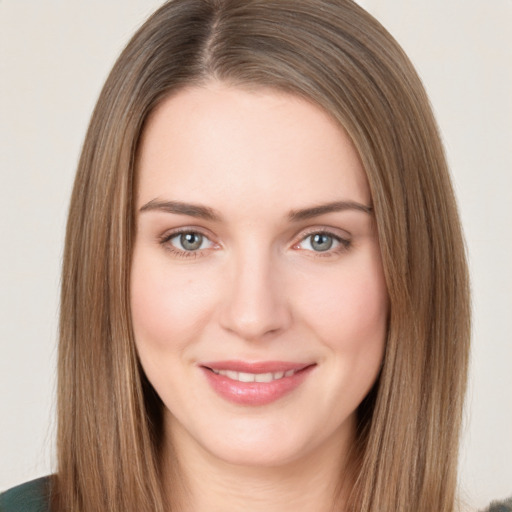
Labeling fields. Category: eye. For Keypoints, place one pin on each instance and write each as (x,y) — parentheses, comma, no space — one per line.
(320,242)
(187,242)
(323,242)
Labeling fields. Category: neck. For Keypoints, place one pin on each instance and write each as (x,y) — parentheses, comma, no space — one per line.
(203,483)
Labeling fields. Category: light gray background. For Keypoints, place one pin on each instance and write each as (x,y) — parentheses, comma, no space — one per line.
(54,57)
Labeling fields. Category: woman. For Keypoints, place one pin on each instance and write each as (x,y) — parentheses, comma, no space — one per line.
(265,294)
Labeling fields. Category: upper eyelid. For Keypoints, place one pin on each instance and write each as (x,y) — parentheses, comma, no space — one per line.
(170,233)
(335,232)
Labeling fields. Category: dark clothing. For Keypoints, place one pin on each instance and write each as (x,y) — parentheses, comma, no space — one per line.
(28,497)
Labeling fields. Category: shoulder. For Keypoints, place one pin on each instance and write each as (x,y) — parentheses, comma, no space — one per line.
(500,506)
(28,497)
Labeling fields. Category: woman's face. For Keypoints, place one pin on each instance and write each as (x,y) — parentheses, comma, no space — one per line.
(257,291)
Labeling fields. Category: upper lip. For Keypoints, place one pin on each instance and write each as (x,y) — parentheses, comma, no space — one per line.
(256,366)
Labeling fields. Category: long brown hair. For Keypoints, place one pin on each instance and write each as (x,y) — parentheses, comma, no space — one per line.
(336,55)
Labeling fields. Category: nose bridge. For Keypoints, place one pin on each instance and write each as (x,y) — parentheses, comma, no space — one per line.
(255,304)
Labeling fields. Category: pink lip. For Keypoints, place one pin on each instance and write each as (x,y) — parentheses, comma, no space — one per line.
(255,393)
(255,366)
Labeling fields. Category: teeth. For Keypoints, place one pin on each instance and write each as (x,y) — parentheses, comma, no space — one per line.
(263,377)
(231,374)
(243,377)
(253,377)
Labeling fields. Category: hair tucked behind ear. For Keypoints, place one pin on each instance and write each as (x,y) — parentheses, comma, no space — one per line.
(336,55)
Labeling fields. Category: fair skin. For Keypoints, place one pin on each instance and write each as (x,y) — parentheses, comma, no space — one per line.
(237,275)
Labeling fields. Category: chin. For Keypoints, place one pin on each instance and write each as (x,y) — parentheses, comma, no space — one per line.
(257,455)
(256,443)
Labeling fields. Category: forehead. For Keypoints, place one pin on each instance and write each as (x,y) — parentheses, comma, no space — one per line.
(229,146)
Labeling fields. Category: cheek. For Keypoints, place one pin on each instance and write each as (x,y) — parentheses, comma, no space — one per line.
(350,319)
(349,315)
(167,307)
(351,308)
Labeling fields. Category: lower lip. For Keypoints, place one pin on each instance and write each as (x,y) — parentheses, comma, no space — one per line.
(255,393)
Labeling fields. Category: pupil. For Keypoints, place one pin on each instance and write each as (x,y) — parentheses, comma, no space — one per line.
(321,242)
(191,241)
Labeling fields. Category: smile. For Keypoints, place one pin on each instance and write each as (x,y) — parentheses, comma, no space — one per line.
(255,384)
(253,377)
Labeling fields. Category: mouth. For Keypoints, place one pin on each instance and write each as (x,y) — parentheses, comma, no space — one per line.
(254,377)
(255,383)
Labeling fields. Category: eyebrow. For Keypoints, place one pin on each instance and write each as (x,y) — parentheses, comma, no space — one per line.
(204,212)
(322,209)
(192,210)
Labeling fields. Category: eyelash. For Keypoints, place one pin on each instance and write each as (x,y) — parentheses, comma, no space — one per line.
(344,244)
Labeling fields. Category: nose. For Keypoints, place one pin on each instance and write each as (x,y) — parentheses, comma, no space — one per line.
(255,305)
